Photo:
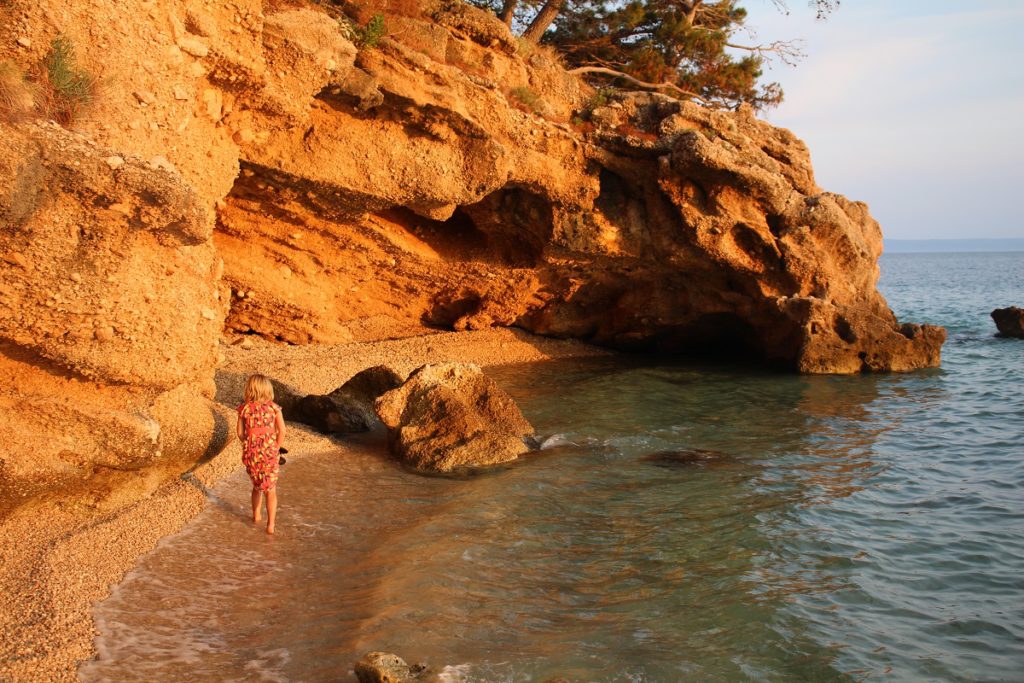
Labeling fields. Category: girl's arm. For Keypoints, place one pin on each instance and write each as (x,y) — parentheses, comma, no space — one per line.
(279,423)
(240,429)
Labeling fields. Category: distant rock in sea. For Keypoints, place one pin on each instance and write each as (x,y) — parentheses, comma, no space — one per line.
(1009,321)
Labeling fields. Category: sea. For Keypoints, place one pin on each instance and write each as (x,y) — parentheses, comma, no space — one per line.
(685,522)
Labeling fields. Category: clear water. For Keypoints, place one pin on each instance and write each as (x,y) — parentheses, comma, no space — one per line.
(854,528)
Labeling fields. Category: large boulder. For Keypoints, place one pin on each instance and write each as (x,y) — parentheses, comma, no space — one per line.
(384,667)
(451,416)
(347,409)
(1009,321)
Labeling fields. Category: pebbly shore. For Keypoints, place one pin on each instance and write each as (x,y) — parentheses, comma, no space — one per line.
(60,557)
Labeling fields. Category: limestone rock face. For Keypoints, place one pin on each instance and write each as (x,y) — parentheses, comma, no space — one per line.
(656,224)
(109,319)
(450,416)
(1009,321)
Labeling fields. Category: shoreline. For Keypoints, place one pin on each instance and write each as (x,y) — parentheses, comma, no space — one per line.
(59,558)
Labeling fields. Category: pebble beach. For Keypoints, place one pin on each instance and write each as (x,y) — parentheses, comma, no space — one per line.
(59,558)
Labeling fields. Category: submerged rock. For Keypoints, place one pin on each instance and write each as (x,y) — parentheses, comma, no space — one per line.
(1009,321)
(687,457)
(451,416)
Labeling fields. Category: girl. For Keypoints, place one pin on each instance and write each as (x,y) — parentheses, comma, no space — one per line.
(260,428)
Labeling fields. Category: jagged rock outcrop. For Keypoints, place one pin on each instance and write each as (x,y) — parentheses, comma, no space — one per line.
(451,416)
(109,319)
(654,225)
(1009,321)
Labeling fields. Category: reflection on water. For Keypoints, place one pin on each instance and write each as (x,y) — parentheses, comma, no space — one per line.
(860,527)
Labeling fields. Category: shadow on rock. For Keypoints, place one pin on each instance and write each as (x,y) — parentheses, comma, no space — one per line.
(346,410)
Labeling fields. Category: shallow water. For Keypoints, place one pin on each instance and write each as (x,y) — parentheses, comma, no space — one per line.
(857,528)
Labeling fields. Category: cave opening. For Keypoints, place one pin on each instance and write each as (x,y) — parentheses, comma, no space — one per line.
(621,203)
(721,336)
(519,224)
(456,239)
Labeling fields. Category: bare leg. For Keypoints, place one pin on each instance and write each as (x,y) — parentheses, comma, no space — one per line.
(257,502)
(271,509)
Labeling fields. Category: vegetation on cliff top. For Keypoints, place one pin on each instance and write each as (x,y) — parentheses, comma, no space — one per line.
(685,47)
(692,49)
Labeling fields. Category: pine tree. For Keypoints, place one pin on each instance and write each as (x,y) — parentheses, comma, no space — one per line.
(681,46)
(667,41)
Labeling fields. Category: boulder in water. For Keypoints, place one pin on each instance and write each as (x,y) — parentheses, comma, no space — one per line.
(451,416)
(1009,321)
(384,667)
(346,410)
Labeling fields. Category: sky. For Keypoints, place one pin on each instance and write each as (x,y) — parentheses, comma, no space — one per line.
(913,106)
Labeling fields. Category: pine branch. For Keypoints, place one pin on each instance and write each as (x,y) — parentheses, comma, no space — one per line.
(638,82)
(789,51)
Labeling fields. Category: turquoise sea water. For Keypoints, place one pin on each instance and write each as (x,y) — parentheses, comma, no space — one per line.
(848,528)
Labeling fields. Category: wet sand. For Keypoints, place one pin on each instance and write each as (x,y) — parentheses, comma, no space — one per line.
(58,558)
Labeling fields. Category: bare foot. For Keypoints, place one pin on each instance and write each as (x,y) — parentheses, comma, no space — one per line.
(270,529)
(257,519)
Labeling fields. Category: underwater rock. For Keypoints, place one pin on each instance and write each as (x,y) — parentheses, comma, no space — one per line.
(687,457)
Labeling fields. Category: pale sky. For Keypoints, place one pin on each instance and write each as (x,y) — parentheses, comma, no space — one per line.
(913,106)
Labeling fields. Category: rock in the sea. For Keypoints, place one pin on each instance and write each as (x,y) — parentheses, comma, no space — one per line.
(368,385)
(1009,321)
(384,667)
(330,415)
(349,408)
(451,416)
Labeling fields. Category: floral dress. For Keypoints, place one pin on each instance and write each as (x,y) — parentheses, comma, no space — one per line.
(259,449)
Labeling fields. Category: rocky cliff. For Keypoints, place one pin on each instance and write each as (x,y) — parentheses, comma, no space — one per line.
(246,168)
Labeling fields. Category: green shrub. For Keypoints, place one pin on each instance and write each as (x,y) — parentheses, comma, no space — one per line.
(368,36)
(602,98)
(69,90)
(526,97)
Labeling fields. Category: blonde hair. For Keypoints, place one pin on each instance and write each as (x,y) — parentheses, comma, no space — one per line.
(258,389)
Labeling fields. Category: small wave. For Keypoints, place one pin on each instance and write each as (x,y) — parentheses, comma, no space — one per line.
(454,673)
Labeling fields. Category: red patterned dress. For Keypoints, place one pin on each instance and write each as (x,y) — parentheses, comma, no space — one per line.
(259,448)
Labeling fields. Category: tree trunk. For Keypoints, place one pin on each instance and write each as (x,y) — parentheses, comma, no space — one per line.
(691,11)
(507,10)
(543,19)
